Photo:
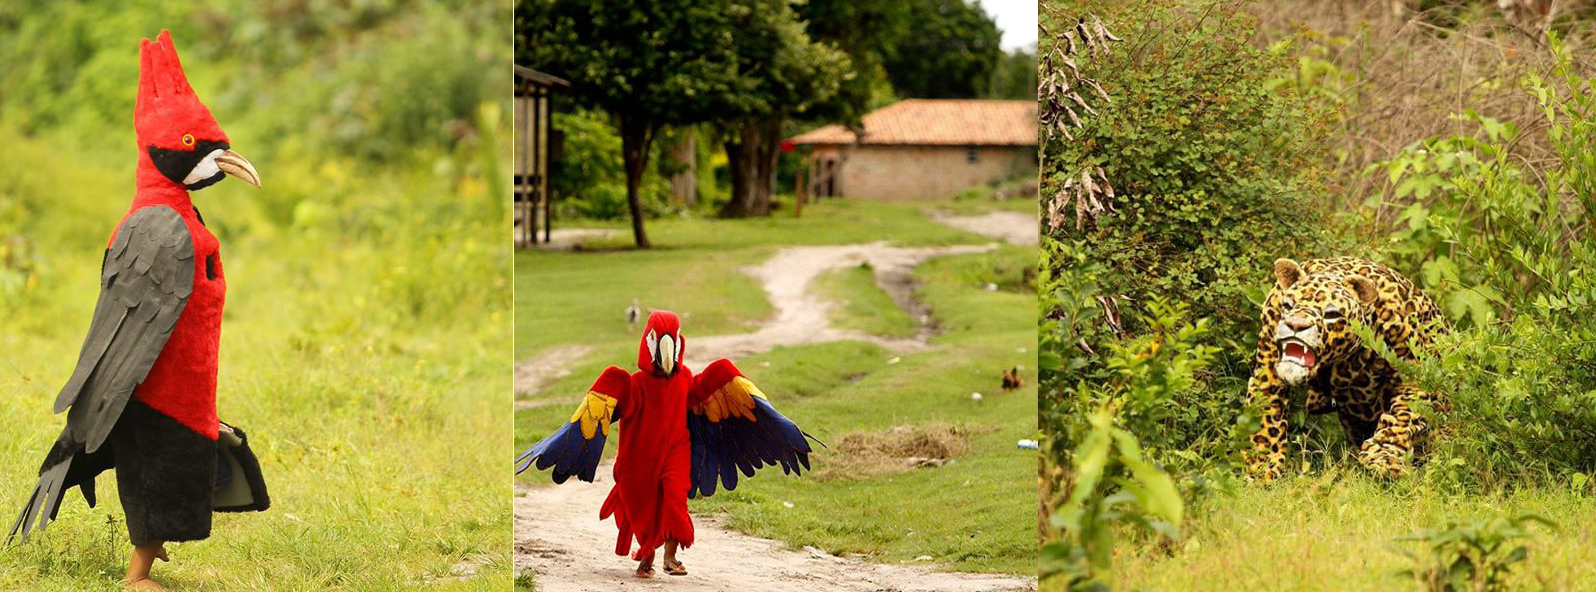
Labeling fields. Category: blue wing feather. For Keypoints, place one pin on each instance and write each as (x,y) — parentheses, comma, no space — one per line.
(735,445)
(567,452)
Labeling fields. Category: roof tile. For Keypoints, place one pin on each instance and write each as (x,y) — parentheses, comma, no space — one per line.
(939,122)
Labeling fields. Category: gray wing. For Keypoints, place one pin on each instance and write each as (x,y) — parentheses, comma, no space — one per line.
(145,281)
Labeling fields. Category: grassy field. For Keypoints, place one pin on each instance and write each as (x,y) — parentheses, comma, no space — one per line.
(1335,531)
(863,306)
(977,513)
(365,350)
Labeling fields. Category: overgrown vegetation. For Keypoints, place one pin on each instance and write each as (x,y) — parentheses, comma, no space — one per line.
(1489,210)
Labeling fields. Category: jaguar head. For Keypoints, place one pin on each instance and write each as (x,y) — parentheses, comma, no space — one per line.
(1314,310)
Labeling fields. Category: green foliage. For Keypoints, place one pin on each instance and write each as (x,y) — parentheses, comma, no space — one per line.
(267,71)
(1470,555)
(1145,496)
(950,51)
(1502,247)
(1014,76)
(1215,167)
(1486,233)
(1141,387)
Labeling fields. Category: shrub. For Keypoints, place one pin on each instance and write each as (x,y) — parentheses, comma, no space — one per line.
(1215,167)
(1506,249)
(1469,555)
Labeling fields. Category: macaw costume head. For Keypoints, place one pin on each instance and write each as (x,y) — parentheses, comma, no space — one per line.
(180,143)
(661,350)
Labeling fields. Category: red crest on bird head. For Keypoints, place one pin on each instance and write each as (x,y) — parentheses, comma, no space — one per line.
(168,114)
(661,350)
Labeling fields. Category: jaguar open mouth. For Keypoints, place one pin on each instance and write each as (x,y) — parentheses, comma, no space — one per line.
(1295,351)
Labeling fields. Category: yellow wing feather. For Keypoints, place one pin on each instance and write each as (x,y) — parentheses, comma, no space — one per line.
(736,398)
(594,414)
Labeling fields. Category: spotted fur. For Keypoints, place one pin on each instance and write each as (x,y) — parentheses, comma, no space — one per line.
(1313,304)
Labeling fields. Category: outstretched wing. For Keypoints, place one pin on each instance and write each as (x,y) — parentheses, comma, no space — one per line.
(145,281)
(734,428)
(576,447)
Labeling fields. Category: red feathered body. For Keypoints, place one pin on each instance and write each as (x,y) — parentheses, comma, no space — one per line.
(182,383)
(653,467)
(168,115)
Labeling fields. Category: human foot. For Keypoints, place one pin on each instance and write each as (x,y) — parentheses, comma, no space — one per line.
(675,568)
(645,568)
(144,584)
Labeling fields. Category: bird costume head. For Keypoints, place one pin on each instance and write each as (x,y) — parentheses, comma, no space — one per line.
(661,351)
(180,143)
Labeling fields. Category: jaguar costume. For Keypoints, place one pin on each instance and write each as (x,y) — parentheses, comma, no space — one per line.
(1306,339)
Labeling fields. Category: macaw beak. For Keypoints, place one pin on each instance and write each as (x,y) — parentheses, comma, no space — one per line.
(667,354)
(236,165)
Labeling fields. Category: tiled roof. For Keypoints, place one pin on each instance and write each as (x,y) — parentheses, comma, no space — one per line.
(939,122)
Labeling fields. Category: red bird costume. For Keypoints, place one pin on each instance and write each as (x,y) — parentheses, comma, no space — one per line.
(684,434)
(143,395)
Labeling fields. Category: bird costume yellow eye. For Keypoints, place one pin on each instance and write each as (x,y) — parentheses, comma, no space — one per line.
(188,139)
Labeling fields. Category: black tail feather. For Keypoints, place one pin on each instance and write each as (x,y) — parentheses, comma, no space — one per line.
(44,503)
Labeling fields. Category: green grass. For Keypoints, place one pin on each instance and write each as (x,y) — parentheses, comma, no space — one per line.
(366,353)
(566,298)
(862,305)
(1334,531)
(976,514)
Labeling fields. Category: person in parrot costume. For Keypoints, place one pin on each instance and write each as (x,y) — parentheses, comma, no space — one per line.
(142,398)
(685,433)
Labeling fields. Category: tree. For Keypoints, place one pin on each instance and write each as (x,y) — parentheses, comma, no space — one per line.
(783,73)
(651,64)
(867,32)
(1014,77)
(950,53)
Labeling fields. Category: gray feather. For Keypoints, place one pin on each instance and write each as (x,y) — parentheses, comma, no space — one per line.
(146,279)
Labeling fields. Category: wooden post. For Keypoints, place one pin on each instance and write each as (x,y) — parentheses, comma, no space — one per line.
(798,192)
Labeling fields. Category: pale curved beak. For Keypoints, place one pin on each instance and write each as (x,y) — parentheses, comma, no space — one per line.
(667,354)
(236,165)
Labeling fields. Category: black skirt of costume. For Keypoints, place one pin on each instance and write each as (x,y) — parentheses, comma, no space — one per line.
(165,475)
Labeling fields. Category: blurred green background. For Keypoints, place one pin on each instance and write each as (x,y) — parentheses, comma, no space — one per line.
(366,339)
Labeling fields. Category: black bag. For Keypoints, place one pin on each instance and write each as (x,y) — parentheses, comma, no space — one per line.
(240,487)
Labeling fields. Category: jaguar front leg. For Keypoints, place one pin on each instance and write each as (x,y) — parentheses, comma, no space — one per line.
(1268,393)
(1400,433)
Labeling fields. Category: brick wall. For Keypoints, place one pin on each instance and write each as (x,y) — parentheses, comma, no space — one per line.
(925,172)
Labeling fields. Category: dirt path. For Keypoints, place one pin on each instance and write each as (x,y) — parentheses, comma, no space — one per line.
(1014,227)
(547,366)
(557,532)
(802,316)
(559,537)
(566,239)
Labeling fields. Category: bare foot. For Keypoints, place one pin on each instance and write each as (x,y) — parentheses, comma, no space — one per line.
(144,584)
(645,570)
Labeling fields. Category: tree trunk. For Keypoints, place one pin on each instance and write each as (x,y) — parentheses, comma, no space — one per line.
(635,138)
(684,184)
(752,160)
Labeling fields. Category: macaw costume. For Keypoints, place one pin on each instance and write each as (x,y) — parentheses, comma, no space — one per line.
(143,394)
(684,433)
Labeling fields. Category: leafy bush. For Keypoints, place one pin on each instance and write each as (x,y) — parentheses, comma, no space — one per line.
(1504,247)
(1469,555)
(1215,167)
(1144,495)
(1101,394)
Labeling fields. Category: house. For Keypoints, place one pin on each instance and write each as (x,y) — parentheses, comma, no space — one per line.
(923,149)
